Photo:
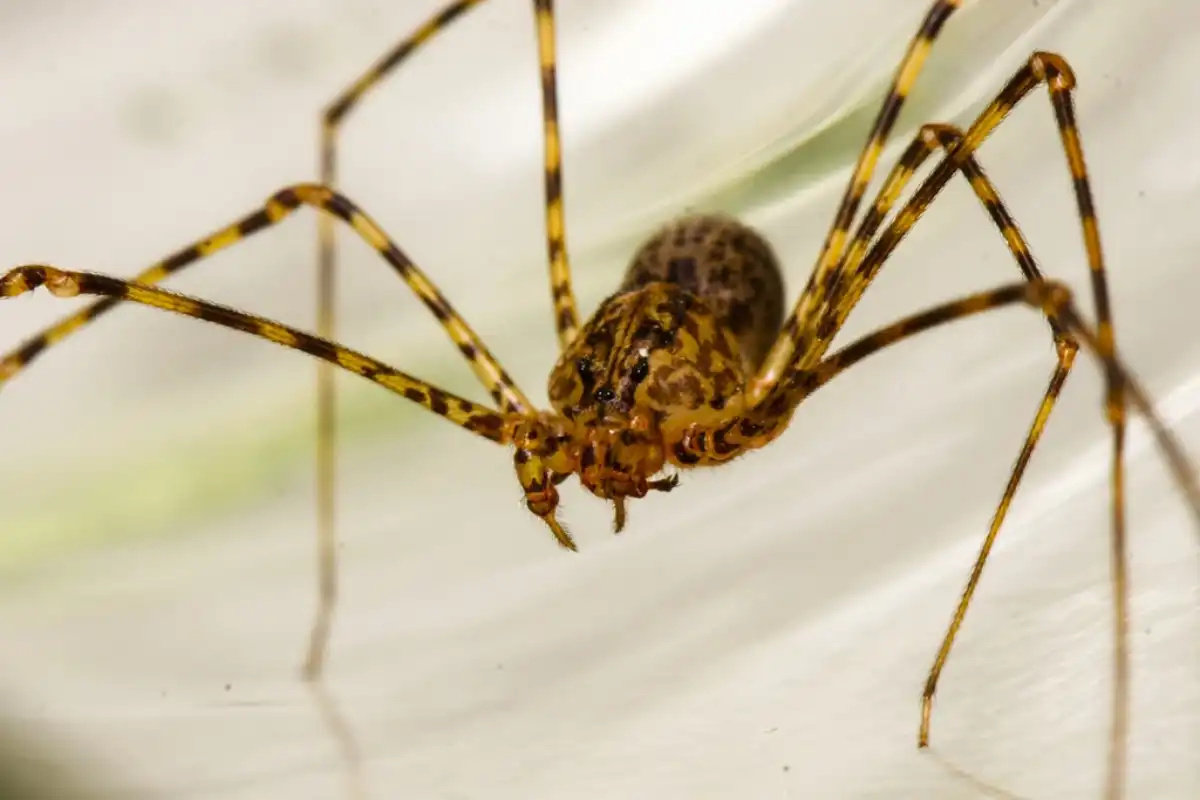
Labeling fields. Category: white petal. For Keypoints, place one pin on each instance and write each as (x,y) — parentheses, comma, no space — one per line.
(764,631)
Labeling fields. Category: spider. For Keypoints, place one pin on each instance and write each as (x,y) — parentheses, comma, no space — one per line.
(691,362)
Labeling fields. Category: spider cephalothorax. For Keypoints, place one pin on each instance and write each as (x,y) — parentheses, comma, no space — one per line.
(669,352)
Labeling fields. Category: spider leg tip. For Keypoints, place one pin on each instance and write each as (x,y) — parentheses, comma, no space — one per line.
(14,283)
(561,535)
(619,514)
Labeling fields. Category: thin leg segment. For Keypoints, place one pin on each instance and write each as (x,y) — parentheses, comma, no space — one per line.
(1066,351)
(795,333)
(946,137)
(331,120)
(565,314)
(1056,74)
(486,367)
(277,208)
(465,413)
(1068,318)
(1041,68)
(846,281)
(772,410)
(1055,299)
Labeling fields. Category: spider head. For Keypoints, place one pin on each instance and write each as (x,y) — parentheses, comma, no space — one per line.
(619,459)
(613,459)
(646,356)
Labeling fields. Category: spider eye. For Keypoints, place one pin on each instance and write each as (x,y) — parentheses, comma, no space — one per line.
(641,369)
(584,367)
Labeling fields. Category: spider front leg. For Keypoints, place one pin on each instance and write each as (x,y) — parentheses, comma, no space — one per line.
(277,208)
(474,417)
(544,450)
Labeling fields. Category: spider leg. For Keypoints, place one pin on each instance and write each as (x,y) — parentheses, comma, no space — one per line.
(566,315)
(1055,301)
(278,207)
(794,338)
(565,310)
(1066,348)
(769,400)
(809,345)
(1060,81)
(947,137)
(1054,71)
(477,418)
(1182,469)
(1040,294)
(929,138)
(331,119)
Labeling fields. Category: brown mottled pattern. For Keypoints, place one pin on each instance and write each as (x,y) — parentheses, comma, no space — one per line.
(727,264)
(657,349)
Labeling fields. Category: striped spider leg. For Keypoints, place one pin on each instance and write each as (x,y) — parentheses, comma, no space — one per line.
(504,393)
(838,282)
(566,315)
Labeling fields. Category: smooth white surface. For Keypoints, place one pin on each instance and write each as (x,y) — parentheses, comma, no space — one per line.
(762,632)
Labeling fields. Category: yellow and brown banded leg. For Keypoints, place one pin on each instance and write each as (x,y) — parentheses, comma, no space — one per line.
(1065,349)
(793,339)
(477,418)
(331,120)
(930,138)
(278,207)
(566,315)
(565,311)
(1042,67)
(1054,300)
(540,441)
(1056,74)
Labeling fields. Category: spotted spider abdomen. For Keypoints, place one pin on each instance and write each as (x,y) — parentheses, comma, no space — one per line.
(725,263)
(694,316)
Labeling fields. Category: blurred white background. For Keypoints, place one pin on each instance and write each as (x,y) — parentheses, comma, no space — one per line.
(762,632)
